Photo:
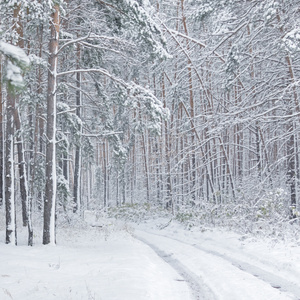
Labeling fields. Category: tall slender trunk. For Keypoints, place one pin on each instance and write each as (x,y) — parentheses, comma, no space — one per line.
(192,109)
(157,154)
(158,171)
(169,202)
(146,168)
(50,193)
(291,153)
(291,172)
(11,232)
(21,167)
(105,179)
(10,205)
(39,143)
(258,152)
(133,170)
(123,182)
(77,170)
(26,200)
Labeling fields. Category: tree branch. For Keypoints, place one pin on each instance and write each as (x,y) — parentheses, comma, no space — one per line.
(73,42)
(102,71)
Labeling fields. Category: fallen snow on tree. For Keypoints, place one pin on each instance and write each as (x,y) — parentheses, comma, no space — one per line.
(17,62)
(14,53)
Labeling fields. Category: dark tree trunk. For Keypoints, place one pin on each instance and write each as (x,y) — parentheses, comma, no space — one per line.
(22,169)
(26,201)
(76,192)
(77,175)
(105,177)
(291,172)
(11,233)
(50,192)
(169,202)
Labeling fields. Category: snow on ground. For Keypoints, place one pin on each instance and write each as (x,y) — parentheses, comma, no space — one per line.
(91,264)
(231,266)
(137,262)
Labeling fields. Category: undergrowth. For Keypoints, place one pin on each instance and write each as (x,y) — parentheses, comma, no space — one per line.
(263,217)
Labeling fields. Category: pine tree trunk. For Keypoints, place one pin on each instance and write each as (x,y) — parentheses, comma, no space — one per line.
(291,172)
(50,193)
(26,200)
(105,179)
(146,168)
(133,170)
(11,233)
(123,182)
(192,110)
(77,170)
(169,198)
(22,169)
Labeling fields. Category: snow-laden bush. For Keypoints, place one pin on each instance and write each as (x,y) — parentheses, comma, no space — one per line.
(272,206)
(266,215)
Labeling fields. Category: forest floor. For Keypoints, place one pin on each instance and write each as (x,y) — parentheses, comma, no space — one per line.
(157,259)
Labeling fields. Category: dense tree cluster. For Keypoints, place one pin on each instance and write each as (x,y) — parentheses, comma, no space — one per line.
(177,103)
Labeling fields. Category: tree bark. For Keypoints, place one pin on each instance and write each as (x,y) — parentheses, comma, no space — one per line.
(192,109)
(105,179)
(291,172)
(167,132)
(77,169)
(11,232)
(26,200)
(146,168)
(50,192)
(22,169)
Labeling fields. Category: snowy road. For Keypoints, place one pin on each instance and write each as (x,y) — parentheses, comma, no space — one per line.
(142,262)
(219,274)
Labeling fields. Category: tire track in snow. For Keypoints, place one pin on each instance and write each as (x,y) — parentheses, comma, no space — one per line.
(270,278)
(199,290)
(275,281)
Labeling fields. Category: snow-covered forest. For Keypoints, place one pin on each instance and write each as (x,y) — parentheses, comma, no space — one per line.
(186,110)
